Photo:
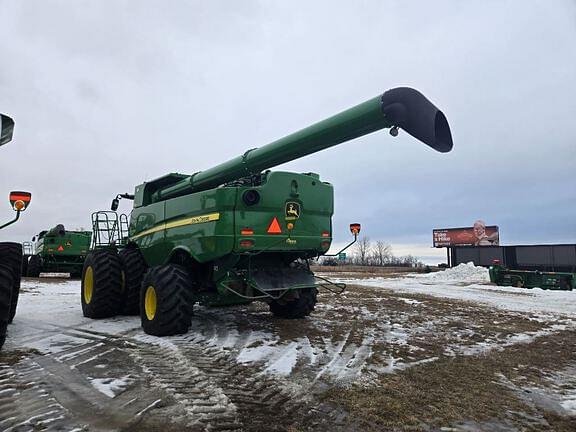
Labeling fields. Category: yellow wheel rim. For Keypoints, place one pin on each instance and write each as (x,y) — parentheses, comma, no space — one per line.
(88,284)
(150,303)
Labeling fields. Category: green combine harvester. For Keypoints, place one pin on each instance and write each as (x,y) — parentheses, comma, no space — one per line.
(58,251)
(10,253)
(236,233)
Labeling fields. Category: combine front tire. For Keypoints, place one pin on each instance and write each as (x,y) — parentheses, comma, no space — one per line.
(11,256)
(101,290)
(6,282)
(300,307)
(134,268)
(34,266)
(166,300)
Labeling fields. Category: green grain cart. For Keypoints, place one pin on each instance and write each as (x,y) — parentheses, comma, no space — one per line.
(236,233)
(10,253)
(59,251)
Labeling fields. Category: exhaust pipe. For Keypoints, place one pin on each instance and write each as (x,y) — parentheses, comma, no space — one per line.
(409,109)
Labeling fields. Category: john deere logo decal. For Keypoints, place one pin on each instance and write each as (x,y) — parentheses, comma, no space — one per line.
(292,211)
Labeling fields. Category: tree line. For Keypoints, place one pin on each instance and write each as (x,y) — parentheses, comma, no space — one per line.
(379,253)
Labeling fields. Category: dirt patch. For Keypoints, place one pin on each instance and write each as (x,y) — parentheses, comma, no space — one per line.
(10,358)
(451,389)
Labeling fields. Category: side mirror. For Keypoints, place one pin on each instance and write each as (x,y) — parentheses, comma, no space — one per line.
(355,229)
(19,200)
(114,205)
(6,129)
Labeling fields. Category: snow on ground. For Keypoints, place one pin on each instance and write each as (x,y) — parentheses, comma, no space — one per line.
(111,387)
(470,283)
(49,318)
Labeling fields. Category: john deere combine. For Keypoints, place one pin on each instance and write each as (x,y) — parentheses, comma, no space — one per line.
(236,233)
(10,253)
(59,251)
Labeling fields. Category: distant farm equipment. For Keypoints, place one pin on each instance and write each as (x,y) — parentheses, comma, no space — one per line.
(58,250)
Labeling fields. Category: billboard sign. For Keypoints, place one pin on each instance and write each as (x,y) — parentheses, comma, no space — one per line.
(478,235)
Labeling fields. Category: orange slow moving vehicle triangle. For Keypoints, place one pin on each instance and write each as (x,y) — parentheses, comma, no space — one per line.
(274,227)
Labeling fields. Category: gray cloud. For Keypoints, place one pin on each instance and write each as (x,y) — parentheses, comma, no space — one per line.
(108,94)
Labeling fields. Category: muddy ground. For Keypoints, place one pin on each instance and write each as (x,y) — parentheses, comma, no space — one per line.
(373,358)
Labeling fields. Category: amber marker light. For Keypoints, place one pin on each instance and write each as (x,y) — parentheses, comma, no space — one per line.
(355,228)
(19,205)
(290,226)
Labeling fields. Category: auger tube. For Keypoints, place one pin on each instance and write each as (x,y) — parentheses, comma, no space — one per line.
(401,107)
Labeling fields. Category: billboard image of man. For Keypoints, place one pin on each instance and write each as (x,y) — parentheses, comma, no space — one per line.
(483,239)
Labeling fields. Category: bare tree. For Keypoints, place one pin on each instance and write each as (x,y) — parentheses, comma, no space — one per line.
(382,252)
(363,250)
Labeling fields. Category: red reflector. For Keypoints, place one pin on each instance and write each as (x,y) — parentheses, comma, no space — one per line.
(496,261)
(325,234)
(246,243)
(247,231)
(274,227)
(60,248)
(19,196)
(325,244)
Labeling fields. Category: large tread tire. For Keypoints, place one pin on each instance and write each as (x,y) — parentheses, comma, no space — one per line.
(134,267)
(101,286)
(6,282)
(11,255)
(25,259)
(300,307)
(34,266)
(166,300)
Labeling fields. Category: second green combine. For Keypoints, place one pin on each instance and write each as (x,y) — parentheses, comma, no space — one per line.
(58,250)
(236,233)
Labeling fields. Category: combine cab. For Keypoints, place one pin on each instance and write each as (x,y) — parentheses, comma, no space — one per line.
(237,233)
(10,253)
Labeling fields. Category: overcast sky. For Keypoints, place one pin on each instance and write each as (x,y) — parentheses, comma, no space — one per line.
(107,94)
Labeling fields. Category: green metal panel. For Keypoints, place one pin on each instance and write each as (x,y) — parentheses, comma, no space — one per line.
(315,200)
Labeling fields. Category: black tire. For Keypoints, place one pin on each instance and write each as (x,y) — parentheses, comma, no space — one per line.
(34,266)
(299,307)
(25,259)
(166,300)
(134,267)
(6,282)
(101,286)
(11,255)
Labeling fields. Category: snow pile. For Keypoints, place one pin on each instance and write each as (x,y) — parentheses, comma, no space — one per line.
(462,273)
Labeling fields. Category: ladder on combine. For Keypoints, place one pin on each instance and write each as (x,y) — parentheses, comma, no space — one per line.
(109,229)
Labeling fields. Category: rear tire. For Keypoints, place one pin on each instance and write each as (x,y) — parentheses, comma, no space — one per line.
(166,300)
(101,286)
(11,255)
(134,267)
(25,265)
(300,307)
(6,282)
(34,266)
